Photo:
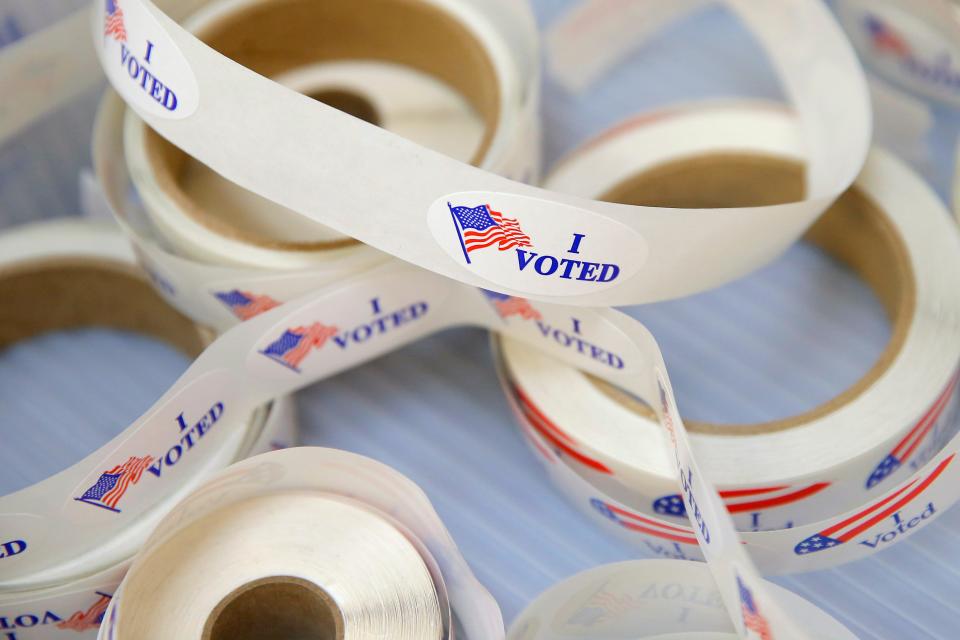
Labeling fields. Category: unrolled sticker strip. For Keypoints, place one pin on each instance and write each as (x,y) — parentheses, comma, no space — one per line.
(433,208)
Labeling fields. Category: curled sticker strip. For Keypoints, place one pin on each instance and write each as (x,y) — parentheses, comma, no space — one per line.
(57,275)
(447,217)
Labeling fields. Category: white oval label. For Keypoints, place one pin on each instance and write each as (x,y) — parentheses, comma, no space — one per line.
(143,63)
(535,246)
(904,47)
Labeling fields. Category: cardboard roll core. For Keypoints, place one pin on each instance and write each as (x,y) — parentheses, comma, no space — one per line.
(854,231)
(63,293)
(276,607)
(278,38)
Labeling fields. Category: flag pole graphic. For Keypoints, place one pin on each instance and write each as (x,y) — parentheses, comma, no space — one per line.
(456,227)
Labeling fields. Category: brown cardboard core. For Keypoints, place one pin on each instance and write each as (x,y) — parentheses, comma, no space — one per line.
(276,607)
(355,104)
(51,295)
(279,36)
(854,230)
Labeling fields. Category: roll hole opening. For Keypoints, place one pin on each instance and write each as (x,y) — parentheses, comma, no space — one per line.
(350,102)
(855,231)
(276,607)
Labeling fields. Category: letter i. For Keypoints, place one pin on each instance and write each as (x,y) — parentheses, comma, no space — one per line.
(375,303)
(575,246)
(576,325)
(146,58)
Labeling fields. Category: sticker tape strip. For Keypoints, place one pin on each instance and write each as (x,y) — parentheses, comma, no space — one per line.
(230,561)
(319,161)
(808,467)
(66,274)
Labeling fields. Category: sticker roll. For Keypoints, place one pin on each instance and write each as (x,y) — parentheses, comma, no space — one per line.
(207,218)
(306,542)
(66,274)
(461,221)
(888,228)
(75,607)
(654,599)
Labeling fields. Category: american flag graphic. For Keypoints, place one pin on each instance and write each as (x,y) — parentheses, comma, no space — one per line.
(481,227)
(507,306)
(246,305)
(863,520)
(296,344)
(643,524)
(113,24)
(908,445)
(605,605)
(885,38)
(89,619)
(753,620)
(112,484)
(744,500)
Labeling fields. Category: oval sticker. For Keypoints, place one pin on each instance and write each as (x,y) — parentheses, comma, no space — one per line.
(905,48)
(535,246)
(143,63)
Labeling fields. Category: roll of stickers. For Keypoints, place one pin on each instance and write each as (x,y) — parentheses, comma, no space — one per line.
(650,599)
(443,215)
(64,274)
(839,456)
(207,218)
(303,543)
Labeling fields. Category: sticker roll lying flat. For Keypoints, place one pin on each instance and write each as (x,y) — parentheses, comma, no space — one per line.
(460,221)
(68,274)
(302,543)
(889,228)
(206,218)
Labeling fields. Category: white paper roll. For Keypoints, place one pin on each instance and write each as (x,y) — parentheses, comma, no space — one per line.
(303,543)
(207,218)
(890,227)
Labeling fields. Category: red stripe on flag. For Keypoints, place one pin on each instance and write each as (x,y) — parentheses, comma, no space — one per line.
(773,502)
(899,503)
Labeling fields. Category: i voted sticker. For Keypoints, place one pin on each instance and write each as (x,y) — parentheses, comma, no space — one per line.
(905,48)
(143,63)
(535,246)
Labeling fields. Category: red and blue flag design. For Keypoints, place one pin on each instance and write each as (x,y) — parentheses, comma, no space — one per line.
(863,520)
(481,227)
(295,344)
(112,484)
(113,25)
(507,306)
(908,445)
(642,524)
(885,38)
(89,619)
(744,500)
(245,305)
(753,620)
